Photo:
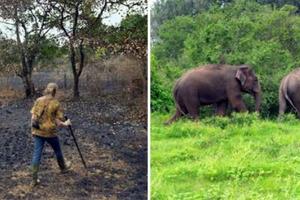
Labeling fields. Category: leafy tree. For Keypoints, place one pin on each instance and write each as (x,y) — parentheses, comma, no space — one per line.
(164,10)
(172,35)
(280,3)
(161,99)
(31,22)
(50,50)
(9,60)
(168,9)
(133,33)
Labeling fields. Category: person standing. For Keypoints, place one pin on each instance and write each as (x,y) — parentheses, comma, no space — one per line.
(47,116)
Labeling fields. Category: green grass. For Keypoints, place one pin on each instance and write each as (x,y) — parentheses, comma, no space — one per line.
(238,157)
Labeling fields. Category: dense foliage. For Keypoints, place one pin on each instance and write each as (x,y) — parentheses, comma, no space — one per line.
(240,32)
(168,9)
(241,157)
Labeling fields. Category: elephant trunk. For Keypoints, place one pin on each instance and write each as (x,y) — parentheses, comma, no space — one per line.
(256,93)
(257,97)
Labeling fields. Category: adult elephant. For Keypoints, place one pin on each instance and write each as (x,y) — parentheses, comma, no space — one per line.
(289,92)
(215,84)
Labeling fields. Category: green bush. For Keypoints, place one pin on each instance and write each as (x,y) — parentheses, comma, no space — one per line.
(171,43)
(161,96)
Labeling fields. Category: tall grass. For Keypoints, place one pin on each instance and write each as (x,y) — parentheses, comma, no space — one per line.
(241,157)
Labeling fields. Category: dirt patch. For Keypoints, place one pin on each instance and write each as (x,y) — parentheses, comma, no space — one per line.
(8,94)
(113,139)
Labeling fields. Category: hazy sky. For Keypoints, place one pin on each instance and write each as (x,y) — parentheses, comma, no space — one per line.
(112,19)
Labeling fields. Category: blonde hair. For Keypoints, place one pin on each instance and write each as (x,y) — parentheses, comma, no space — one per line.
(51,89)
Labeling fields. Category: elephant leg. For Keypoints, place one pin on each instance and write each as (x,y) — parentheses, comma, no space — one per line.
(237,103)
(221,108)
(298,110)
(282,104)
(194,113)
(296,103)
(192,107)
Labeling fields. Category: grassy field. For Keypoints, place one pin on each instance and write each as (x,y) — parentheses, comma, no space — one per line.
(241,157)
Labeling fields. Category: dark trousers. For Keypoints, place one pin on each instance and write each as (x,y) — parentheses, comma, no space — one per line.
(39,145)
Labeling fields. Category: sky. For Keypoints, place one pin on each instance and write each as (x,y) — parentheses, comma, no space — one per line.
(112,19)
(153,1)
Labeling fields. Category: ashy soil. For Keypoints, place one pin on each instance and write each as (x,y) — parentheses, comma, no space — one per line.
(111,134)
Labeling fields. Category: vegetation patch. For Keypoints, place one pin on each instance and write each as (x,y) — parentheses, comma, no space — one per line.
(237,157)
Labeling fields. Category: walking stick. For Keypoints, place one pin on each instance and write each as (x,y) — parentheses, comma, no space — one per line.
(71,131)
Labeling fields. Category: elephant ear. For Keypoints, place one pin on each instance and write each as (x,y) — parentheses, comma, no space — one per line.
(241,75)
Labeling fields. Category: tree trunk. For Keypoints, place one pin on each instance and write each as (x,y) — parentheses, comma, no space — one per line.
(65,81)
(27,80)
(76,87)
(75,75)
(26,74)
(28,86)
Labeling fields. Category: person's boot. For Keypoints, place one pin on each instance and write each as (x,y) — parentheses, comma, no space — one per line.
(64,166)
(35,180)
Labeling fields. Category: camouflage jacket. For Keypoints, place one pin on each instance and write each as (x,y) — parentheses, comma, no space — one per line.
(47,119)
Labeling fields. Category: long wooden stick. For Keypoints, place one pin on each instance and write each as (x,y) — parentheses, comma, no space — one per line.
(72,133)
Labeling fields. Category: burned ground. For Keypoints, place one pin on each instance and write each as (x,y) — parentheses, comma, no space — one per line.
(111,134)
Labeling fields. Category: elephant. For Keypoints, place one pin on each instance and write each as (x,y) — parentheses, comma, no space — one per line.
(214,84)
(289,92)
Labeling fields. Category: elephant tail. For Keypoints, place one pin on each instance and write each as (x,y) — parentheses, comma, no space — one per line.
(175,92)
(284,89)
(290,101)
